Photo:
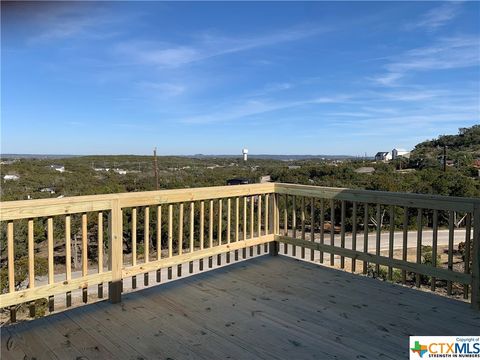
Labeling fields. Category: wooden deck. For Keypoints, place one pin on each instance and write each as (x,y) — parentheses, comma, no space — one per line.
(268,307)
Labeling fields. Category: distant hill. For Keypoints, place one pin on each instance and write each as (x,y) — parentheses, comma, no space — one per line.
(197,156)
(463,147)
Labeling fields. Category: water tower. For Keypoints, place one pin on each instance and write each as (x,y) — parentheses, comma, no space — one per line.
(245,154)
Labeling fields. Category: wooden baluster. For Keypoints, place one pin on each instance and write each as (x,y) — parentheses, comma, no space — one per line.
(237,221)
(134,245)
(294,224)
(378,235)
(322,227)
(210,232)
(100,250)
(391,239)
(116,252)
(229,227)
(31,264)
(180,237)
(220,228)
(312,226)
(267,219)
(419,246)
(252,221)
(159,240)
(342,233)
(51,273)
(468,233)
(259,220)
(365,236)
(192,233)
(210,225)
(451,235)
(354,235)
(434,246)
(202,231)
(332,230)
(146,242)
(220,221)
(244,223)
(405,242)
(11,267)
(146,234)
(302,219)
(180,229)
(84,254)
(170,238)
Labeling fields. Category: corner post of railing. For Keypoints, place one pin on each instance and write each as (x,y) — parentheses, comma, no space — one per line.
(273,219)
(116,252)
(476,257)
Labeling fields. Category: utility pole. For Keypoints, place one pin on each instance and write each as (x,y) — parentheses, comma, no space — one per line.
(155,166)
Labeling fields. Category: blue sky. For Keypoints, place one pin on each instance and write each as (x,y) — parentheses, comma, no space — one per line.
(214,77)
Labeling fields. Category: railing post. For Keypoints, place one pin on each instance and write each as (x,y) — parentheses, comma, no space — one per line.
(116,253)
(273,245)
(476,258)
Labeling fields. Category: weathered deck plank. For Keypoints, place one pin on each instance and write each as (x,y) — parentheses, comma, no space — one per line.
(268,307)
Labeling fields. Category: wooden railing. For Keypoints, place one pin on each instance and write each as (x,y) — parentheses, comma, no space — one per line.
(178,226)
(361,214)
(150,231)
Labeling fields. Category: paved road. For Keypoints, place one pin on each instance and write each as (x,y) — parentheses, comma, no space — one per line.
(459,236)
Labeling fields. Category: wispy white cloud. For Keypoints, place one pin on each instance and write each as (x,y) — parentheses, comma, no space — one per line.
(256,107)
(437,16)
(162,89)
(207,46)
(446,53)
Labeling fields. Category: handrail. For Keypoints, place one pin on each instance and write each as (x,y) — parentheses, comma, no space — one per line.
(219,220)
(24,209)
(426,201)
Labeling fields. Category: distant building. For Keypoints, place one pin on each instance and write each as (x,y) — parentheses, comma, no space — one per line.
(383,156)
(11,177)
(48,189)
(293,167)
(59,168)
(120,171)
(396,153)
(238,182)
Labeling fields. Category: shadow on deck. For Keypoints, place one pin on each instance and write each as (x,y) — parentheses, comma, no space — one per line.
(268,307)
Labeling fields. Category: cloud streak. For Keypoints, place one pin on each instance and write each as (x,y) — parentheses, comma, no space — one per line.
(208,46)
(437,17)
(446,53)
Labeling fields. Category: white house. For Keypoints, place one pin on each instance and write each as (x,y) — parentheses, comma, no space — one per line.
(59,168)
(49,190)
(383,156)
(396,153)
(11,177)
(120,171)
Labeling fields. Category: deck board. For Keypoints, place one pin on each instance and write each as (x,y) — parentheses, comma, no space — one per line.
(267,307)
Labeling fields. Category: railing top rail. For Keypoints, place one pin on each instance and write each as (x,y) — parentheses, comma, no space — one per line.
(24,209)
(383,197)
